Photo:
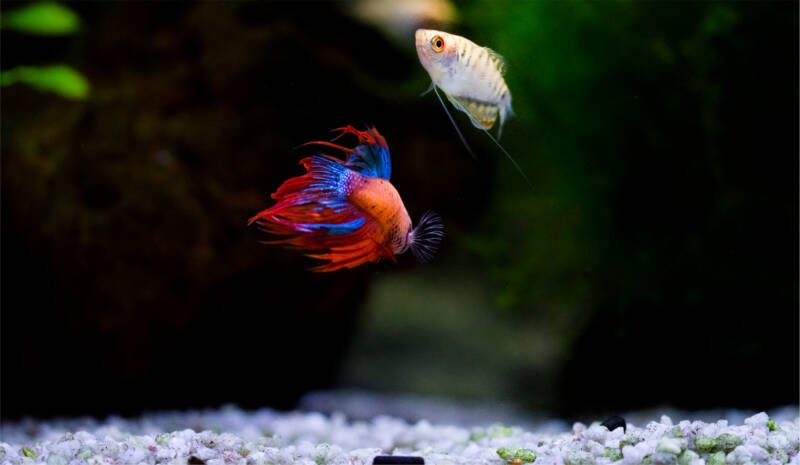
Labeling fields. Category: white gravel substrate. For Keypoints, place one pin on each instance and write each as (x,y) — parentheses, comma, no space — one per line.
(232,436)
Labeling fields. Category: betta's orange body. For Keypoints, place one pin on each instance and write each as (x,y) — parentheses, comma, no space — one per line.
(348,210)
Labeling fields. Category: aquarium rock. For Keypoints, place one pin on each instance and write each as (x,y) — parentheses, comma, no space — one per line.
(231,436)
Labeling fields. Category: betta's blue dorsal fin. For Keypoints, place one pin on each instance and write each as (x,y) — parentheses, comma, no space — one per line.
(371,155)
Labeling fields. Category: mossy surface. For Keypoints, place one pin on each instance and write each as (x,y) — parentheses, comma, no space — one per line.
(727,442)
(704,443)
(511,453)
(717,458)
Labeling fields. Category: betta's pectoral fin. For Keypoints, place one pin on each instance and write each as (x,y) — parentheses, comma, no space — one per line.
(426,236)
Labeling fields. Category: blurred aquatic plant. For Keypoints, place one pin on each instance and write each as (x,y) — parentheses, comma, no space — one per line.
(629,132)
(573,90)
(44,18)
(544,257)
(52,19)
(60,79)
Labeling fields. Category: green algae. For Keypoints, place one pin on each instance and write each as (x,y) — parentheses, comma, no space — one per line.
(500,431)
(717,458)
(511,453)
(477,436)
(613,454)
(687,456)
(771,425)
(704,443)
(727,442)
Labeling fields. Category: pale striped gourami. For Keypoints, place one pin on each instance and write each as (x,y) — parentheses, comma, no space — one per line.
(471,76)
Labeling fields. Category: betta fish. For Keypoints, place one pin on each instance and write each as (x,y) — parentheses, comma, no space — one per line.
(346,211)
(471,78)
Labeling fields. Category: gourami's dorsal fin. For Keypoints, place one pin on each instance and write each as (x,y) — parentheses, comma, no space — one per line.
(497,59)
(482,114)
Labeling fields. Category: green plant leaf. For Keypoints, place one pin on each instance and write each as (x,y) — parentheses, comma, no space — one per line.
(60,79)
(43,18)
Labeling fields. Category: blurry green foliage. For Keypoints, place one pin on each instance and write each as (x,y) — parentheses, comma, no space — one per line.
(570,75)
(550,254)
(60,79)
(43,18)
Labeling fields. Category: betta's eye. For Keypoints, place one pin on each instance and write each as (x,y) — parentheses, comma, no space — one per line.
(438,43)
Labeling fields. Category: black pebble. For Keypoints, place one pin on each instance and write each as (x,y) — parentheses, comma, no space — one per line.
(195,461)
(397,459)
(615,422)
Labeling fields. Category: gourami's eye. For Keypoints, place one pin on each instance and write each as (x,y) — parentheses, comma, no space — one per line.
(437,43)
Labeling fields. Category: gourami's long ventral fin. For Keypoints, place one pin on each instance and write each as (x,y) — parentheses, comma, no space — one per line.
(510,158)
(464,141)
(460,136)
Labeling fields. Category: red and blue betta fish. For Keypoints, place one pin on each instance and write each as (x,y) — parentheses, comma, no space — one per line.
(348,208)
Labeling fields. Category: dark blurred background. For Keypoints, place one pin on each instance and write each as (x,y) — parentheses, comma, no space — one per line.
(654,263)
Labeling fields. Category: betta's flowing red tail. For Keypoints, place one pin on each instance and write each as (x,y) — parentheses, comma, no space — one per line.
(313,212)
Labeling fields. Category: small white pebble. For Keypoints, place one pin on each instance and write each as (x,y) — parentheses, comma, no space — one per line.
(595,448)
(68,448)
(757,420)
(631,455)
(740,455)
(55,459)
(670,445)
(778,440)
